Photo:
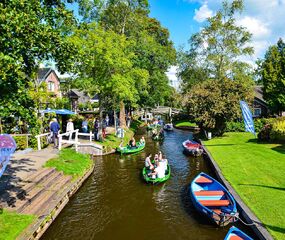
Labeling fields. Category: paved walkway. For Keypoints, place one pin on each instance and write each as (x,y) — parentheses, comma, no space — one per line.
(22,166)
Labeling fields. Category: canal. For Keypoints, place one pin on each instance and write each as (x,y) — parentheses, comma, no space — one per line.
(115,202)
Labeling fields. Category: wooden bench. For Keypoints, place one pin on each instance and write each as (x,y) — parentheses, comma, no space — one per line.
(215,203)
(209,193)
(203,180)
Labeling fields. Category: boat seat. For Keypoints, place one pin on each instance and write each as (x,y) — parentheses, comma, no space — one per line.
(218,211)
(235,238)
(215,203)
(209,193)
(203,180)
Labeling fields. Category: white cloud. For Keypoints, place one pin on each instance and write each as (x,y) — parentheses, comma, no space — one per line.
(172,76)
(203,13)
(264,19)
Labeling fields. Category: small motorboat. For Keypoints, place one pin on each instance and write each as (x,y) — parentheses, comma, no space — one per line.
(235,234)
(213,200)
(149,179)
(127,149)
(168,127)
(192,147)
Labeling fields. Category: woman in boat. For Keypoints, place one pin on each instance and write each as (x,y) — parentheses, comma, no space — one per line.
(148,164)
(158,171)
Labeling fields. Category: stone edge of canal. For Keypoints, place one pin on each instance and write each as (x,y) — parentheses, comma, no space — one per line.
(38,228)
(244,211)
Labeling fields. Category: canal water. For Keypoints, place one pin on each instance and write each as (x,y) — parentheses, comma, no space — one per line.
(115,202)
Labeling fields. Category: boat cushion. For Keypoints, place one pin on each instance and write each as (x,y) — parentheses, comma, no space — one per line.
(209,193)
(235,238)
(203,180)
(218,211)
(215,203)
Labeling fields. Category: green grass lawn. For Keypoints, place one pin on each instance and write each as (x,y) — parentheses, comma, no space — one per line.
(70,162)
(12,224)
(257,173)
(185,124)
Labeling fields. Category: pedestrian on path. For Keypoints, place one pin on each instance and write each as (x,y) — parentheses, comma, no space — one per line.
(85,125)
(70,128)
(104,126)
(54,128)
(96,129)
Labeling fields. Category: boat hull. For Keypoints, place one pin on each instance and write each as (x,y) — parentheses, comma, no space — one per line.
(234,232)
(156,180)
(213,200)
(128,150)
(192,148)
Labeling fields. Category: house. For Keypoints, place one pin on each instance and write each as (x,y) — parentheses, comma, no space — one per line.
(78,98)
(260,107)
(50,77)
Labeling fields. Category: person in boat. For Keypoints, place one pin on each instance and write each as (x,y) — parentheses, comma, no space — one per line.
(159,155)
(158,171)
(142,141)
(132,143)
(156,160)
(148,164)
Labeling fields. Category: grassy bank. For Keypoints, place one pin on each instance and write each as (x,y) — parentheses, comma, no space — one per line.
(112,142)
(70,162)
(256,172)
(185,124)
(12,224)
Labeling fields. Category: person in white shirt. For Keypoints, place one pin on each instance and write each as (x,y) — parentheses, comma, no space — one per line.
(70,127)
(148,163)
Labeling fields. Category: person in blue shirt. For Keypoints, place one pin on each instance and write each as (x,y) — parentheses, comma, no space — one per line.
(54,128)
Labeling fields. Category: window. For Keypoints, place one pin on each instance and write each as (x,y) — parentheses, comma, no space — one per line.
(51,86)
(257,112)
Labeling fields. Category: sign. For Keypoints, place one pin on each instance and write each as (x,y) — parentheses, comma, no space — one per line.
(7,148)
(247,117)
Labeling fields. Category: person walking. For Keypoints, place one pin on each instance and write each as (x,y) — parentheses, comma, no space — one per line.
(107,120)
(54,128)
(104,126)
(69,128)
(85,125)
(96,129)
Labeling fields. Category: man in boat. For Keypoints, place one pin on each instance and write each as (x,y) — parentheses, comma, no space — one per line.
(158,172)
(142,141)
(132,143)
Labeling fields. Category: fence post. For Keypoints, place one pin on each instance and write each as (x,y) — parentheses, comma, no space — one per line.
(76,140)
(59,141)
(39,142)
(90,137)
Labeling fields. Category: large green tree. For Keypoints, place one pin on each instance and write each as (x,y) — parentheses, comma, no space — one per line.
(215,57)
(31,31)
(272,70)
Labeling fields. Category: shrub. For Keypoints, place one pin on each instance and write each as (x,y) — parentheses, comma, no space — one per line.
(235,127)
(21,142)
(278,130)
(264,134)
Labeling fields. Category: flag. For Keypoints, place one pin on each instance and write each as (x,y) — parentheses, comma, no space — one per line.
(247,117)
(7,148)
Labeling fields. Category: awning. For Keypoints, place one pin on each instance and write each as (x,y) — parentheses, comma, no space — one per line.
(58,111)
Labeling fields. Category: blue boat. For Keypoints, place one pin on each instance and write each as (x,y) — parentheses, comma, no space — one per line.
(235,234)
(213,200)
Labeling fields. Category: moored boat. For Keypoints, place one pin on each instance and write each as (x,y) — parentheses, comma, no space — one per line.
(213,200)
(127,149)
(192,147)
(235,234)
(168,127)
(149,179)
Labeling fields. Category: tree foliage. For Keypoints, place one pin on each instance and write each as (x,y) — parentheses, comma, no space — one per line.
(272,71)
(212,72)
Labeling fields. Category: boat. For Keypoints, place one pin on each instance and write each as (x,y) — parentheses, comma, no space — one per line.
(213,200)
(235,234)
(168,127)
(192,147)
(156,180)
(127,149)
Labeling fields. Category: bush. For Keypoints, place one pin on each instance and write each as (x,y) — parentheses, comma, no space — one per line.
(278,130)
(264,134)
(235,127)
(21,142)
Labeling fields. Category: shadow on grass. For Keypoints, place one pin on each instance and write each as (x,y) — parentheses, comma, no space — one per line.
(274,228)
(280,149)
(263,186)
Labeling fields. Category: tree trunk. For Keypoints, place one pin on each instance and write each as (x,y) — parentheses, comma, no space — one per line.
(122,115)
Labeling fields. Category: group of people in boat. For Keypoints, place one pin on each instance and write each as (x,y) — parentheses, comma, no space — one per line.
(156,168)
(133,144)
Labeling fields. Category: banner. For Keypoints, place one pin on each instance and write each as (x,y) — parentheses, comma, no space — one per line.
(247,117)
(7,148)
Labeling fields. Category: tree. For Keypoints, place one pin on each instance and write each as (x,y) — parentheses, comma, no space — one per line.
(216,53)
(31,31)
(273,77)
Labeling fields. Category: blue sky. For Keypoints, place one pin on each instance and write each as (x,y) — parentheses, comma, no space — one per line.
(178,17)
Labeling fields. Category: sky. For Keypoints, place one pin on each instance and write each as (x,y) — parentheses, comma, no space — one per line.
(265,19)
